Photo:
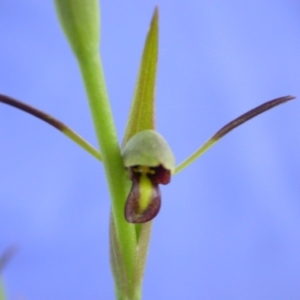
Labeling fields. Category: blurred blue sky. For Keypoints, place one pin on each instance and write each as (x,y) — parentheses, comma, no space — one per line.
(229,227)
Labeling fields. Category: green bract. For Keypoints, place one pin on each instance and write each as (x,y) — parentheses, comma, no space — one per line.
(148,148)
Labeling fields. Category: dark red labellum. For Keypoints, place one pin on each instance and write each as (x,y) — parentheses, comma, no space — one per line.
(155,176)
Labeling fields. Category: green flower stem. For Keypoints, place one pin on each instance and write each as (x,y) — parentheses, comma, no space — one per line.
(80,22)
(230,126)
(115,172)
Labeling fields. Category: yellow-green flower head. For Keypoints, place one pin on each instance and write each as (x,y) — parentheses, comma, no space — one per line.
(150,162)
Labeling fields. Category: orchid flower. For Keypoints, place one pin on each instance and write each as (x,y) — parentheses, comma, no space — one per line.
(134,169)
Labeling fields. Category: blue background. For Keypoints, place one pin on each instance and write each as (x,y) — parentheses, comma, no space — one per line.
(229,227)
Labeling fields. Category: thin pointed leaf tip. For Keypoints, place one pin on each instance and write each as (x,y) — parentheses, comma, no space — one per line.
(150,162)
(142,111)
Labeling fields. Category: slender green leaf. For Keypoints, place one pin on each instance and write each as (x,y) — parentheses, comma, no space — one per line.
(230,126)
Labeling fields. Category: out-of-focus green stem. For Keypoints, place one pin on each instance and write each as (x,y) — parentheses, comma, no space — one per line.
(2,294)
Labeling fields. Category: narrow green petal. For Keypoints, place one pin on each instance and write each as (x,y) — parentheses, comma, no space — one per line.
(229,127)
(53,122)
(142,111)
